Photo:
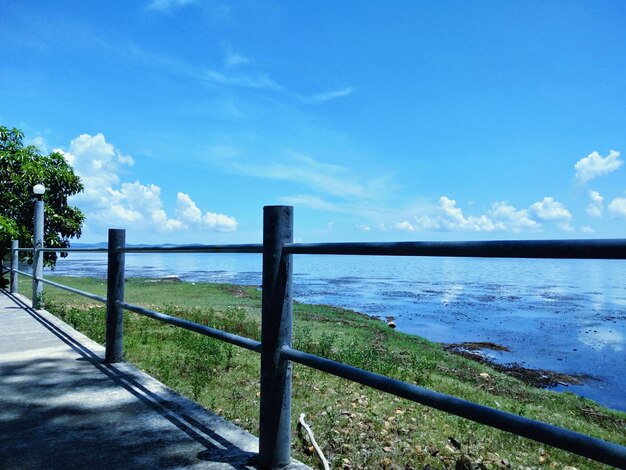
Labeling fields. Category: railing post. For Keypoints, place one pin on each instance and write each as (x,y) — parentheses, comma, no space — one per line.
(37,301)
(115,293)
(15,256)
(276,326)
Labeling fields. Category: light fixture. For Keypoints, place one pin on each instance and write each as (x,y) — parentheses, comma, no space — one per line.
(39,189)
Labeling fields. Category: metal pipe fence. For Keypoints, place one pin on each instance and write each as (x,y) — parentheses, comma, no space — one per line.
(276,326)
(74,250)
(248,248)
(89,295)
(554,249)
(241,341)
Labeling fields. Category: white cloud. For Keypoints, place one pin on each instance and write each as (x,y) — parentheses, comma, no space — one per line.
(187,209)
(508,217)
(167,5)
(586,229)
(448,217)
(501,216)
(405,226)
(617,207)
(549,209)
(189,213)
(453,218)
(594,165)
(134,203)
(566,227)
(219,222)
(595,207)
(98,163)
(425,222)
(331,95)
(109,202)
(363,228)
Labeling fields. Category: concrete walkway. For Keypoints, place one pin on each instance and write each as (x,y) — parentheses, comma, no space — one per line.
(62,408)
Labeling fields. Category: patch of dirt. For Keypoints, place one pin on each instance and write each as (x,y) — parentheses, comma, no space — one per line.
(475,346)
(598,415)
(236,291)
(168,280)
(540,378)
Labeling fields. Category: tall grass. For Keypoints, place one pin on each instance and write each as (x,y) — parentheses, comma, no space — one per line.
(356,426)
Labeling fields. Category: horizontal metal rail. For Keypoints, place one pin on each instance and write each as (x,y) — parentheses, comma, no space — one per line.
(247,248)
(89,295)
(237,340)
(584,445)
(23,273)
(85,250)
(581,444)
(572,249)
(243,248)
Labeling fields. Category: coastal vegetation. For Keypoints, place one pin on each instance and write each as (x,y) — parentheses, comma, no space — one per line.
(357,427)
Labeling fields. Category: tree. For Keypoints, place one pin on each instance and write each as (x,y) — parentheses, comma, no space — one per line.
(20,169)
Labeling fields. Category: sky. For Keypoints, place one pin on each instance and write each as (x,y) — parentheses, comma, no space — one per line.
(377,121)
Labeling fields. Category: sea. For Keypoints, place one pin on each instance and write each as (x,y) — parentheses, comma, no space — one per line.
(568,316)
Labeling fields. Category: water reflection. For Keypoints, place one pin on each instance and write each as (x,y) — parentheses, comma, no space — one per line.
(602,337)
(451,293)
(565,315)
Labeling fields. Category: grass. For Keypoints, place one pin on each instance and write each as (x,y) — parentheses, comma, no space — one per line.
(357,427)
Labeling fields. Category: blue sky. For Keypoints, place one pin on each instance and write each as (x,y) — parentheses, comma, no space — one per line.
(376,120)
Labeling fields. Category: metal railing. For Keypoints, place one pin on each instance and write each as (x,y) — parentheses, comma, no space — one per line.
(275,346)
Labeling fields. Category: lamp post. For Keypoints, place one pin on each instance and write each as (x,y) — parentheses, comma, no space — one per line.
(38,191)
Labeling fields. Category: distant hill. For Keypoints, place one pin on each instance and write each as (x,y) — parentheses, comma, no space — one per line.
(88,245)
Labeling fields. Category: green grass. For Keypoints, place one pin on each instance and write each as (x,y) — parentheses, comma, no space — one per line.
(356,426)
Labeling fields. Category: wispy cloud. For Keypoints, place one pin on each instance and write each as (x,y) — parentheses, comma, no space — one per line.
(311,202)
(168,5)
(325,178)
(331,95)
(204,74)
(234,59)
(238,80)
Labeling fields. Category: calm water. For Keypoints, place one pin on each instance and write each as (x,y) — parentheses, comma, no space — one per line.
(563,315)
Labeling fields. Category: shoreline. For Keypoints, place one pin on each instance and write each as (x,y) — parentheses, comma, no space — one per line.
(539,377)
(353,422)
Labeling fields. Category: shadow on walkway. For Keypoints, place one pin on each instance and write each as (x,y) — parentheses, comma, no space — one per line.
(62,407)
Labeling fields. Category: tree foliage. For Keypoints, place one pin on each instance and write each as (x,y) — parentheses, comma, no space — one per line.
(22,167)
